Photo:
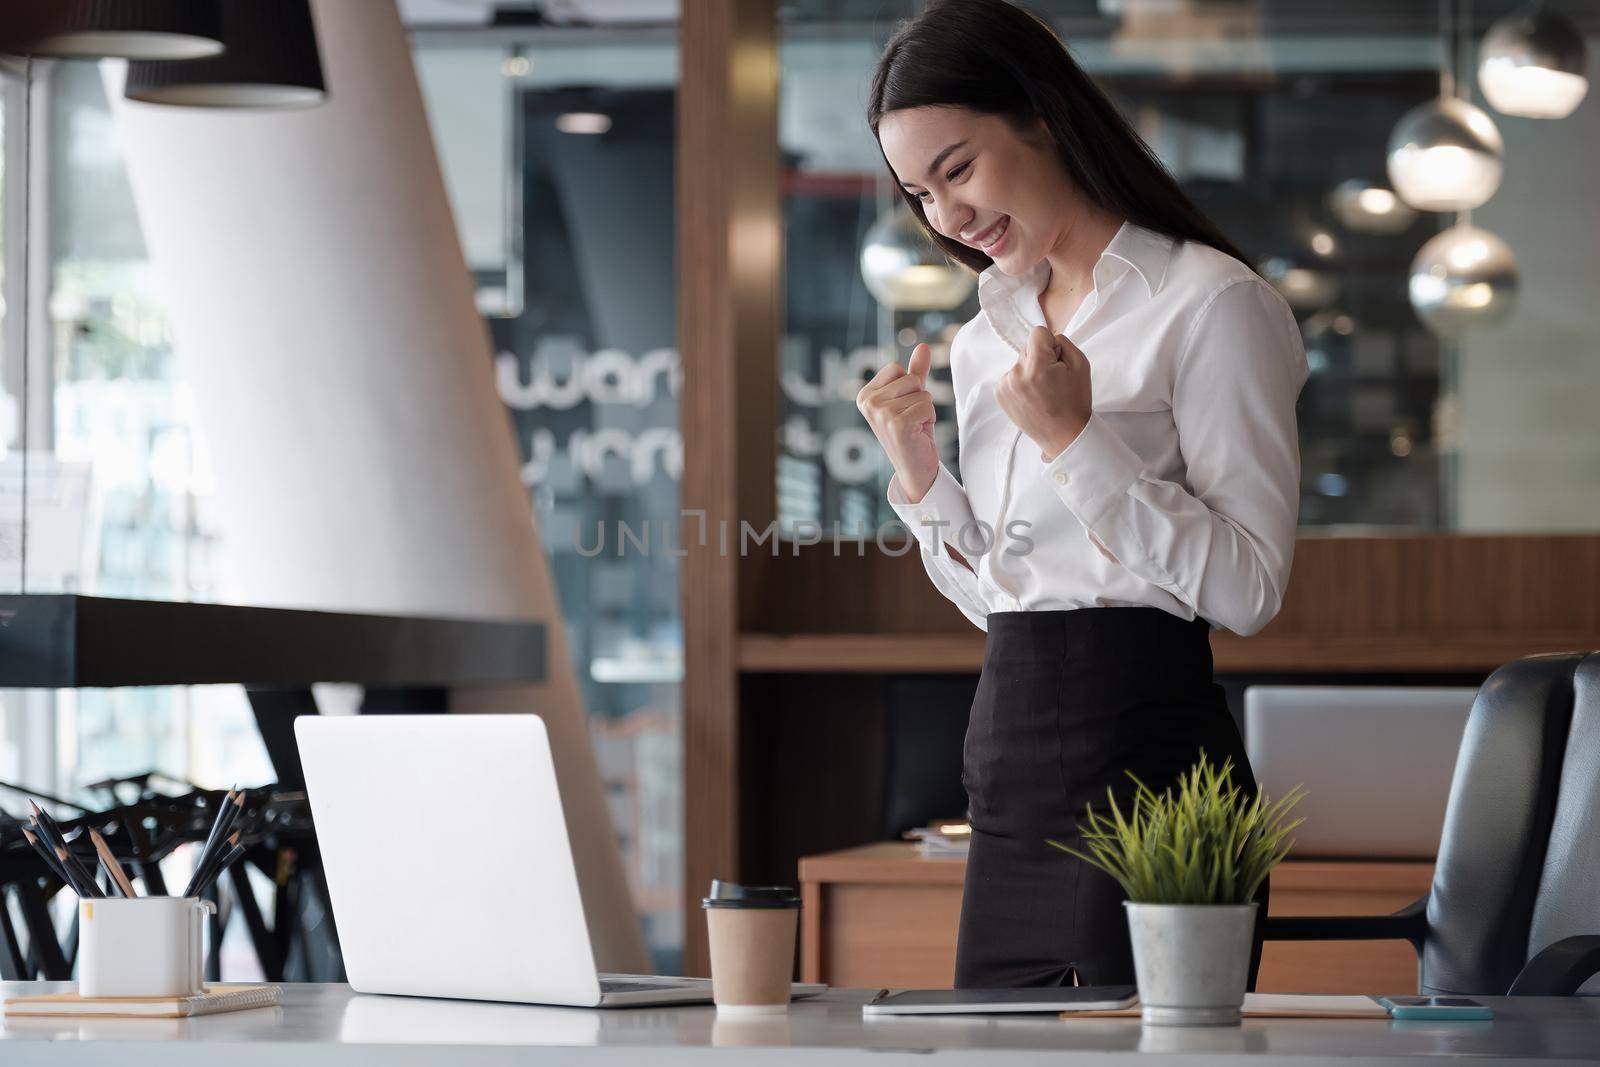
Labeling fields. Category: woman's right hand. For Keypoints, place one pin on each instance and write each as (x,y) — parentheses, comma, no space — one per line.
(899,408)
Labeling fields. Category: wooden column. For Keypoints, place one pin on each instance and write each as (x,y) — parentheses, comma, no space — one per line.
(730,259)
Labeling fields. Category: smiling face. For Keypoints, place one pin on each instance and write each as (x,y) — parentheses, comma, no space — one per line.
(982,183)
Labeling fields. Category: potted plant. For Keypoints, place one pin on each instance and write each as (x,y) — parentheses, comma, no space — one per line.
(1191,861)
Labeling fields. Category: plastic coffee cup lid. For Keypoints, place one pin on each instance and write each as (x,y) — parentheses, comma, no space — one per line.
(733,895)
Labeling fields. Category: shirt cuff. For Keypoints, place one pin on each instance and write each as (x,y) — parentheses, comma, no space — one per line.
(941,514)
(1094,472)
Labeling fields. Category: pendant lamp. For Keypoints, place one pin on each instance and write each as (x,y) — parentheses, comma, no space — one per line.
(1367,208)
(903,270)
(118,29)
(1534,64)
(271,62)
(1304,288)
(1463,278)
(1445,155)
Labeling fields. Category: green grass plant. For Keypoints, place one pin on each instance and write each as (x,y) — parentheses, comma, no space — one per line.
(1202,843)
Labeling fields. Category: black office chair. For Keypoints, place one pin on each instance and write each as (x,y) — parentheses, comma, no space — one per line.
(1515,903)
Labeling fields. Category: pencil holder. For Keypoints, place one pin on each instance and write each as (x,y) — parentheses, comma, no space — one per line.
(141,946)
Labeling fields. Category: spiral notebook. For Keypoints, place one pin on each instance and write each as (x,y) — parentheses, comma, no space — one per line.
(217,998)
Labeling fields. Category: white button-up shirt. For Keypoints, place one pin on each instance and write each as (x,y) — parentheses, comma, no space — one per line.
(1181,493)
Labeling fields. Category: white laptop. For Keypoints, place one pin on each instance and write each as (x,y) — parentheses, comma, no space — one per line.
(449,867)
(1376,762)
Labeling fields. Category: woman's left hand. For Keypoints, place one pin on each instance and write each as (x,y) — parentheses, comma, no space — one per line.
(1048,393)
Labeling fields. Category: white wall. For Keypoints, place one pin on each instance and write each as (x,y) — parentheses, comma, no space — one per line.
(1529,435)
(324,319)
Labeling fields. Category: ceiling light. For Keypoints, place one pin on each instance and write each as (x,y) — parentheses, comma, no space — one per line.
(1303,287)
(1534,64)
(1445,155)
(1366,208)
(1464,278)
(903,270)
(583,122)
(122,29)
(271,61)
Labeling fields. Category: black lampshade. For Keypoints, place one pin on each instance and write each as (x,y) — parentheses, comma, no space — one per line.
(130,29)
(271,61)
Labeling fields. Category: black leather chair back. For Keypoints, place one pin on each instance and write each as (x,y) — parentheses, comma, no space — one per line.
(1519,859)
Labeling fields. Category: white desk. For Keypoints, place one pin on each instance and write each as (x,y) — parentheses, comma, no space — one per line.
(328,1025)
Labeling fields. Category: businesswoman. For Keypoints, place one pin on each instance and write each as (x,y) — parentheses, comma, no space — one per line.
(1125,409)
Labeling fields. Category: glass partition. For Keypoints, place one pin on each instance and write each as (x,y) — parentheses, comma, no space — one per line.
(558,151)
(1273,117)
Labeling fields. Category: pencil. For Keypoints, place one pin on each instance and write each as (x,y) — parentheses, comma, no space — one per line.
(212,837)
(50,832)
(234,812)
(209,864)
(72,862)
(84,884)
(109,862)
(227,861)
(48,857)
(72,876)
(215,833)
(44,826)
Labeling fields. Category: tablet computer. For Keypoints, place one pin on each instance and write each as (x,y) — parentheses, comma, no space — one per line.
(974,1001)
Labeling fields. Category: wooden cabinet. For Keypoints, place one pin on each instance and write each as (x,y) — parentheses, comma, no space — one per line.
(1309,887)
(880,915)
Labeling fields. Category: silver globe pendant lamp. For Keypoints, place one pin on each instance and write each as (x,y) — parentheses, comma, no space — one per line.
(1304,288)
(1462,279)
(1534,64)
(1465,277)
(906,272)
(1445,155)
(1362,207)
(110,29)
(271,61)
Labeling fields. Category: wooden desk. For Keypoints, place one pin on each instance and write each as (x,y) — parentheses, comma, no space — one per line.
(880,915)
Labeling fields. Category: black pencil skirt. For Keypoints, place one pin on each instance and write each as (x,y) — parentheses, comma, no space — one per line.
(1067,703)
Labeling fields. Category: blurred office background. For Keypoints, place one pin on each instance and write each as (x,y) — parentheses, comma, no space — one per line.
(554,124)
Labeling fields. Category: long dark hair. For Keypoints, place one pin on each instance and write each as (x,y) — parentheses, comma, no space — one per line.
(996,58)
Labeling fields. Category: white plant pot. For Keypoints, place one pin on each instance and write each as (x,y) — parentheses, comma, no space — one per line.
(1192,961)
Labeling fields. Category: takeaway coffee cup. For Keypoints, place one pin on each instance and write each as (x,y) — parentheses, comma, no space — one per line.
(752,934)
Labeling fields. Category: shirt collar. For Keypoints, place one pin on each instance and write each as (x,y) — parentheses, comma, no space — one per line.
(1146,251)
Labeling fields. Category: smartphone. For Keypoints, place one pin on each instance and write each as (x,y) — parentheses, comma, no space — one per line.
(1435,1008)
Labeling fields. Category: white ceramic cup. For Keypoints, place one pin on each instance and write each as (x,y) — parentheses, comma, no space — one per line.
(141,946)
